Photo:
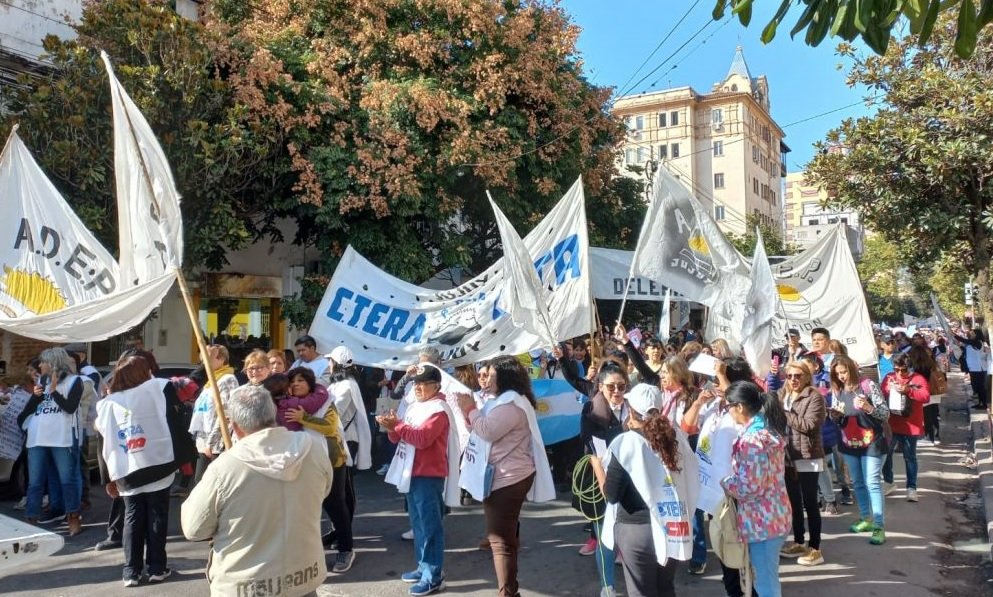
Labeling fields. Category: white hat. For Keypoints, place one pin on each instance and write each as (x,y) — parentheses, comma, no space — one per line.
(340,355)
(643,398)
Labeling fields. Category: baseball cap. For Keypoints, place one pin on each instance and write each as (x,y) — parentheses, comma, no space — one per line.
(340,355)
(643,398)
(427,372)
(792,332)
(887,337)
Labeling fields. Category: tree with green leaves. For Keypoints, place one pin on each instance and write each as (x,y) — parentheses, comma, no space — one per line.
(772,237)
(223,165)
(882,270)
(872,21)
(919,170)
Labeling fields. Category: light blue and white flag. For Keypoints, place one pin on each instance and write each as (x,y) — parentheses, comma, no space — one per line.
(558,409)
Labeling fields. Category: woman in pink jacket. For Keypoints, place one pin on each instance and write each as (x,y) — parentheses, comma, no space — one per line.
(910,389)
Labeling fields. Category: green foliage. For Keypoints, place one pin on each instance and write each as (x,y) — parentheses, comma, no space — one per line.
(872,21)
(919,170)
(947,279)
(881,270)
(222,167)
(772,237)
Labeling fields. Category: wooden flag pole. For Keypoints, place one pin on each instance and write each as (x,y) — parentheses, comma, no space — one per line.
(222,419)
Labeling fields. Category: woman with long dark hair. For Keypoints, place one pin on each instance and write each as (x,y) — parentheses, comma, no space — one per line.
(505,462)
(142,423)
(651,463)
(758,467)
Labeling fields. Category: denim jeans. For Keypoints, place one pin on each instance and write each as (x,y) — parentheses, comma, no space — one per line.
(825,485)
(765,563)
(146,527)
(909,443)
(699,540)
(426,506)
(604,558)
(865,471)
(65,462)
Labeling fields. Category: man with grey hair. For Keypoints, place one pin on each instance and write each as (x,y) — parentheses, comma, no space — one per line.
(250,502)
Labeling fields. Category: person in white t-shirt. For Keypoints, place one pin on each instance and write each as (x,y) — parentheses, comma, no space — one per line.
(308,356)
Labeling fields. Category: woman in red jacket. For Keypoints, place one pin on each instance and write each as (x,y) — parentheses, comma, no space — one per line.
(909,390)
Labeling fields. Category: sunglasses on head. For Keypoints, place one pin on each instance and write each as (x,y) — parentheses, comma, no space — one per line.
(615,387)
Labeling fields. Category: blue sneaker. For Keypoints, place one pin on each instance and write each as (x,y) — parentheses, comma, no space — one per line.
(425,588)
(411,577)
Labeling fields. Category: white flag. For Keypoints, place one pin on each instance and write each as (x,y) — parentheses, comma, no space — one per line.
(760,310)
(523,294)
(58,283)
(665,320)
(940,315)
(150,221)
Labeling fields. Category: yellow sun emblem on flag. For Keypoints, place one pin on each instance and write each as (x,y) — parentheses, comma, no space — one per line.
(788,293)
(698,243)
(36,292)
(542,407)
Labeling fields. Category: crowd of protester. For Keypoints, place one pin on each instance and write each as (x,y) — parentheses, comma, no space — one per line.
(778,447)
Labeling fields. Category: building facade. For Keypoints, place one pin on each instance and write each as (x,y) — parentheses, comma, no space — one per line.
(724,144)
(808,217)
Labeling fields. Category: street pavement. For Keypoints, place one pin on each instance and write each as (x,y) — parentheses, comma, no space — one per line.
(934,547)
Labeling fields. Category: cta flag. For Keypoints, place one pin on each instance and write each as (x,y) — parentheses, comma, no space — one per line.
(386,321)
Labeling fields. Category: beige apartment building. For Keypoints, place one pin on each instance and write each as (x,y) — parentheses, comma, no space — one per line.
(724,144)
(809,215)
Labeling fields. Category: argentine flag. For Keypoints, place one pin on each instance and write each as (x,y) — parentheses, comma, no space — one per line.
(558,408)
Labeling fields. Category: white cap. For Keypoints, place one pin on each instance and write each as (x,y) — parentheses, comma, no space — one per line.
(340,355)
(643,398)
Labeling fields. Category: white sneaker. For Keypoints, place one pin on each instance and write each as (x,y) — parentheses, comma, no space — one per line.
(889,488)
(408,535)
(608,591)
(381,471)
(911,495)
(21,505)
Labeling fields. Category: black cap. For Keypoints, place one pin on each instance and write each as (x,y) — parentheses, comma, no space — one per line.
(886,337)
(427,372)
(792,332)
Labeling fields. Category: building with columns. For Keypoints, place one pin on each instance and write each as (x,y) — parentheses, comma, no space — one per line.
(723,144)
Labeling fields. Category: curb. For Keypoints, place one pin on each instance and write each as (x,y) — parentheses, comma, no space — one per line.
(982,445)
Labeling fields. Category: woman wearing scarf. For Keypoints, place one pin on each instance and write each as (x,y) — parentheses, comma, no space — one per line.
(758,466)
(805,414)
(860,410)
(505,462)
(651,485)
(204,425)
(425,467)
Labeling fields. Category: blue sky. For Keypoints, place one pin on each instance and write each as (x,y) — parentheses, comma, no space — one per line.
(617,36)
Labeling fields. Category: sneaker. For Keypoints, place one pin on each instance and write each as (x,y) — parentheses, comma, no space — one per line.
(160,576)
(411,577)
(698,569)
(862,526)
(793,550)
(846,500)
(343,563)
(21,505)
(426,588)
(408,535)
(911,495)
(50,518)
(107,544)
(889,488)
(831,509)
(588,548)
(937,442)
(130,582)
(381,471)
(813,558)
(608,591)
(878,536)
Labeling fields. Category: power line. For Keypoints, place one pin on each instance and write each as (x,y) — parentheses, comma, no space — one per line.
(659,46)
(685,43)
(692,50)
(37,14)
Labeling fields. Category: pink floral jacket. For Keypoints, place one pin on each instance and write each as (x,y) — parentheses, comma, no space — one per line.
(757,481)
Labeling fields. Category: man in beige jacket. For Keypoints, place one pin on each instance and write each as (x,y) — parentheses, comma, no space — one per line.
(254,502)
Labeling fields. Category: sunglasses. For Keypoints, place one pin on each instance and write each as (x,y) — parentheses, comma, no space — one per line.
(615,387)
(794,376)
(900,369)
